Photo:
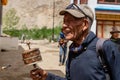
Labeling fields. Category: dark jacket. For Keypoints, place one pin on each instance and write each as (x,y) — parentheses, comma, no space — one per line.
(85,65)
(117,41)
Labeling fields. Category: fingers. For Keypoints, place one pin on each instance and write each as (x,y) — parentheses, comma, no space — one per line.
(35,74)
(38,74)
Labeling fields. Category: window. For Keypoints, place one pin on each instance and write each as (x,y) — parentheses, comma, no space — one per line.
(109,1)
(104,28)
(75,1)
(80,1)
(112,0)
(83,1)
(118,1)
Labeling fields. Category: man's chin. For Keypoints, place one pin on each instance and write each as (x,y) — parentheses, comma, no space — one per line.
(68,38)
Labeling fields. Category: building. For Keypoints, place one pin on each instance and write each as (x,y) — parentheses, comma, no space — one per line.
(107,15)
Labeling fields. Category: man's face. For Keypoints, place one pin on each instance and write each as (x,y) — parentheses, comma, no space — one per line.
(72,27)
(115,35)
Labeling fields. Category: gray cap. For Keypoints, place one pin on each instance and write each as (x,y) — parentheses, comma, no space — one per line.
(78,11)
(114,30)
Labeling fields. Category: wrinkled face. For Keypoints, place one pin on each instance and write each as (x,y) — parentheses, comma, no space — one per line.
(73,27)
(115,35)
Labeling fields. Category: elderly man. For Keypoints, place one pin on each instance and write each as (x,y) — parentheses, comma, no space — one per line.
(115,35)
(82,62)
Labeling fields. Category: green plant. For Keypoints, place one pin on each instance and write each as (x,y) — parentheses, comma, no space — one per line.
(10,19)
(34,33)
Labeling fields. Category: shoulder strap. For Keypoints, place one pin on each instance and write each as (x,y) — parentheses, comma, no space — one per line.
(102,57)
(99,44)
(100,53)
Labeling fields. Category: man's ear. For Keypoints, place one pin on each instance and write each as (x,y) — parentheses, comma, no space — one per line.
(85,25)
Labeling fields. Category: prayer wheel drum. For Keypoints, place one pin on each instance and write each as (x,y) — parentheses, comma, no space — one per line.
(31,56)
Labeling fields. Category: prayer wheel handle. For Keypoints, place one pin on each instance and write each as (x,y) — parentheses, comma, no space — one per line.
(28,44)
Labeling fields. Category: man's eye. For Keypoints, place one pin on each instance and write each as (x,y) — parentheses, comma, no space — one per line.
(70,20)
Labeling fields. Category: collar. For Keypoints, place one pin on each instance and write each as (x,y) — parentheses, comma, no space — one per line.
(90,37)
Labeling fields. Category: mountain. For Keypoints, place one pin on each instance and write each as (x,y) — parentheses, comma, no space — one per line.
(37,13)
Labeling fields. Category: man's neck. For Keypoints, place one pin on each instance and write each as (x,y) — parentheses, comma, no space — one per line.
(79,41)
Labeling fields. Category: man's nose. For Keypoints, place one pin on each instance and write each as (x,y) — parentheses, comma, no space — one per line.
(64,26)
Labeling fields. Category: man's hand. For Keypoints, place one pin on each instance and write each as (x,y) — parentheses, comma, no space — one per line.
(38,74)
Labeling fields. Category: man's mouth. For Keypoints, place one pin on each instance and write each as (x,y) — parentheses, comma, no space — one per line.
(66,31)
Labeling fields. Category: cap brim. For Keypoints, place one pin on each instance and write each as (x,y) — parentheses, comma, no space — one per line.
(74,13)
(115,32)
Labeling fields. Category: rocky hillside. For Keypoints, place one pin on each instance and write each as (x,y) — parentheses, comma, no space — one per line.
(37,12)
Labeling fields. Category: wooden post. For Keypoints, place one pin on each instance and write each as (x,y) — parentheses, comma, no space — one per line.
(0,18)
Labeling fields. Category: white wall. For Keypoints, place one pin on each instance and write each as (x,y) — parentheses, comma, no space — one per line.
(93,4)
(71,1)
(9,43)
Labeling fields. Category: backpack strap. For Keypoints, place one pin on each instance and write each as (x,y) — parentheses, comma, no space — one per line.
(100,54)
(102,58)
